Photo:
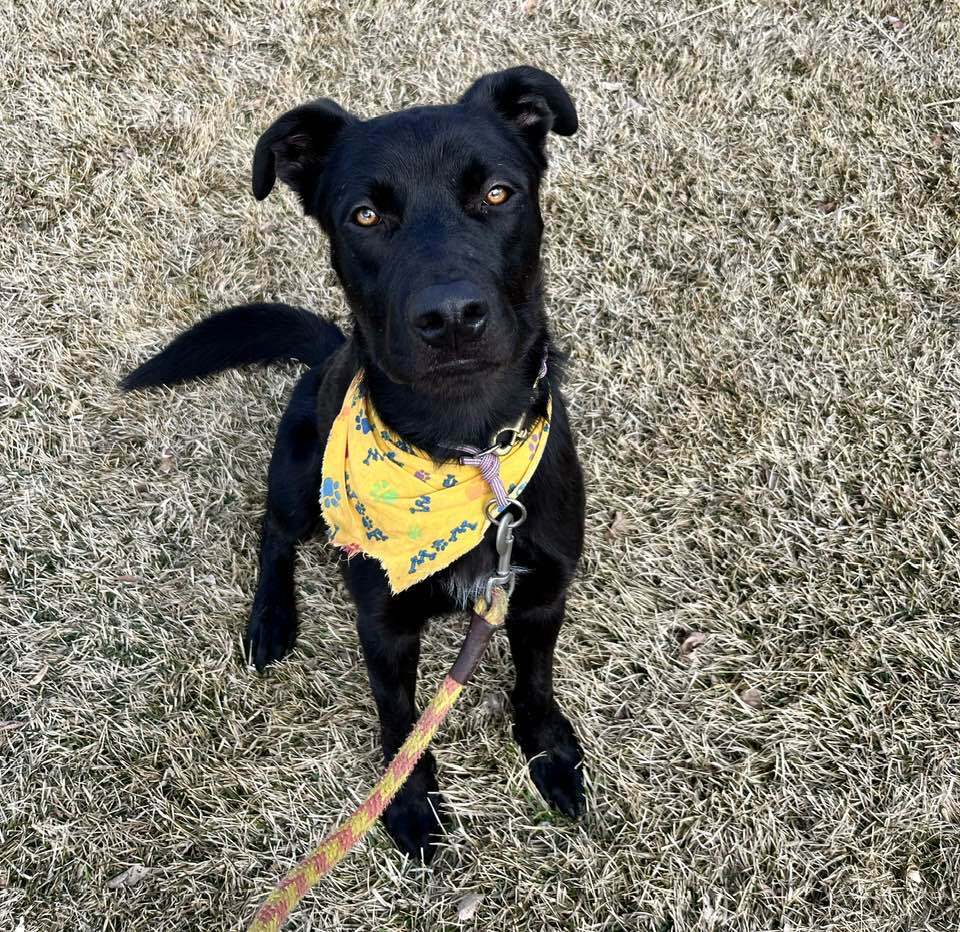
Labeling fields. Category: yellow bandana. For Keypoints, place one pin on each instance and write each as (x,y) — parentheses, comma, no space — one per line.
(383,498)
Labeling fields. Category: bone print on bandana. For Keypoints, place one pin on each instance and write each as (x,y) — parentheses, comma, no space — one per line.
(383,498)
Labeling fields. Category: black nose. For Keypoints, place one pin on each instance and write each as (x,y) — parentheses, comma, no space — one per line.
(448,315)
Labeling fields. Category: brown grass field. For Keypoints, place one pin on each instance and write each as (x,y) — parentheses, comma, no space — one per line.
(753,253)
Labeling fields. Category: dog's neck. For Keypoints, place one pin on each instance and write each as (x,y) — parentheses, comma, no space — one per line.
(439,427)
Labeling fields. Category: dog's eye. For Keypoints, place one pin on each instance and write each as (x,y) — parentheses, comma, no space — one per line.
(366,217)
(498,194)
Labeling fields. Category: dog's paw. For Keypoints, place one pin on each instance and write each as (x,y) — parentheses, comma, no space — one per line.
(555,759)
(415,818)
(272,629)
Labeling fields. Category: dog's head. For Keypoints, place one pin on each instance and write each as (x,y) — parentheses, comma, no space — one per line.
(434,220)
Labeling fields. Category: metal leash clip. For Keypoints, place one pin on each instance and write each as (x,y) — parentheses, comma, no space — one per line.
(503,442)
(505,577)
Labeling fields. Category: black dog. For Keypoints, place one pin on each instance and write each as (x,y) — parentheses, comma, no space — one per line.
(434,226)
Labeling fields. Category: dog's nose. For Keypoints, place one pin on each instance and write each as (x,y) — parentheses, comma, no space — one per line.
(449,315)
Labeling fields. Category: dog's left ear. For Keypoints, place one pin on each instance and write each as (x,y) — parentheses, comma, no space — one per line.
(529,99)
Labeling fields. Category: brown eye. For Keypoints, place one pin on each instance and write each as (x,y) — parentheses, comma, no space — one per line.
(366,217)
(497,195)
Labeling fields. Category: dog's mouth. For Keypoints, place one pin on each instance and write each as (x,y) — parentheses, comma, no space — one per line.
(462,366)
(453,376)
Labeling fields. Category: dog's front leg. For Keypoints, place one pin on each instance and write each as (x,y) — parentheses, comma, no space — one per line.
(389,629)
(293,514)
(543,732)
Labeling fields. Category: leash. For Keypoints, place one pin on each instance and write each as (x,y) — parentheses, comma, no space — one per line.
(488,613)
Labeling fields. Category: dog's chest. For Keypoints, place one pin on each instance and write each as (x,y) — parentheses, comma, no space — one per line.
(466,578)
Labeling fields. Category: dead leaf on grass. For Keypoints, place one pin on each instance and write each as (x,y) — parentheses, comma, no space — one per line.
(618,526)
(133,875)
(690,643)
(468,906)
(493,704)
(751,697)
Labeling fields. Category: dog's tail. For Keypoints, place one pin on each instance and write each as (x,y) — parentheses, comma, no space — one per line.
(239,336)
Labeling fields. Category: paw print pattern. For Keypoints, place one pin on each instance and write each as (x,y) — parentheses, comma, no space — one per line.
(422,476)
(375,456)
(373,532)
(418,559)
(449,482)
(439,545)
(363,424)
(398,442)
(461,528)
(330,491)
(382,491)
(421,504)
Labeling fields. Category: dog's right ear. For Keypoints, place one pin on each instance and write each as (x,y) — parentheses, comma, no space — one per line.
(295,148)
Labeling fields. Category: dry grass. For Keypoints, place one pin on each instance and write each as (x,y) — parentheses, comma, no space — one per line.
(754,258)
